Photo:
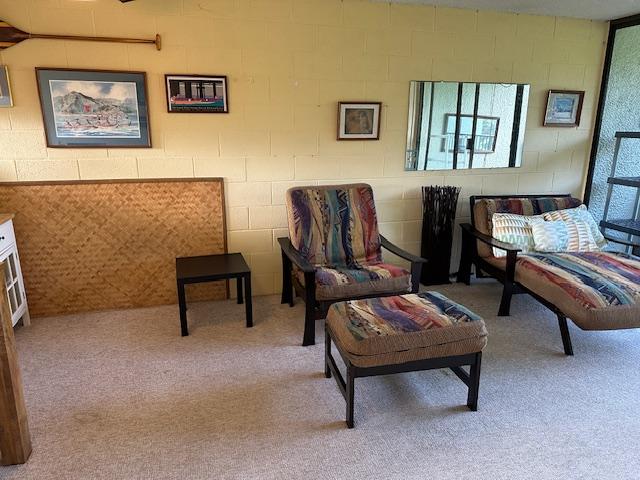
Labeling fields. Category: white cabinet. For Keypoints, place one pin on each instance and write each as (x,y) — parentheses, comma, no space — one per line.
(14,283)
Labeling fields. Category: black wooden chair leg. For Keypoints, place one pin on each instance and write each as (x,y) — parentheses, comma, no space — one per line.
(505,302)
(474,383)
(566,337)
(350,390)
(309,337)
(287,284)
(464,269)
(327,353)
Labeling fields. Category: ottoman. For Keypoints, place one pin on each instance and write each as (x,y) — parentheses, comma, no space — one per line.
(403,333)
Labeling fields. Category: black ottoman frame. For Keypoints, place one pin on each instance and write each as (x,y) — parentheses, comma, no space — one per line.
(455,363)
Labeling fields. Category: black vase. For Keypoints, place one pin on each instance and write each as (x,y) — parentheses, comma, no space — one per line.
(438,217)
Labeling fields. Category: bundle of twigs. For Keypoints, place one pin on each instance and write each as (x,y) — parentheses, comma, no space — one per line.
(438,216)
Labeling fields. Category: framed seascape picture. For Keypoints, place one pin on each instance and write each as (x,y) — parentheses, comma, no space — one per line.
(197,94)
(563,108)
(359,120)
(94,108)
(5,88)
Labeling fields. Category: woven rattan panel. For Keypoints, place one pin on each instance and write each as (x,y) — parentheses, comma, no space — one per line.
(87,246)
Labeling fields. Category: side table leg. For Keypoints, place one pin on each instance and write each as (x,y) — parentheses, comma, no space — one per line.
(239,290)
(182,304)
(247,300)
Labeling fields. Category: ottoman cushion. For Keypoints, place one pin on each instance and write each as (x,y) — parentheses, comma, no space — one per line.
(390,330)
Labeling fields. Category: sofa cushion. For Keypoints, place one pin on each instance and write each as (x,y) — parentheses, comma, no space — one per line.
(484,209)
(597,290)
(563,236)
(580,213)
(334,225)
(388,330)
(514,229)
(344,282)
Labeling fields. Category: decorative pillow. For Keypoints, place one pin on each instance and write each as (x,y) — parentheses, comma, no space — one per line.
(580,213)
(563,236)
(514,229)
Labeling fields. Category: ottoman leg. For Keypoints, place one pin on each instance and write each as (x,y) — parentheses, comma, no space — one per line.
(349,395)
(474,383)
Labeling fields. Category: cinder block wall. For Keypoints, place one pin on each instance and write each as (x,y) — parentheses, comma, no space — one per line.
(289,62)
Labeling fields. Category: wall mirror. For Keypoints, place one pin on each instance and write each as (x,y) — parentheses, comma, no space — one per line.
(460,125)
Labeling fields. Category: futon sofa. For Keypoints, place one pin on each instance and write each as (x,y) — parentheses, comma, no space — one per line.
(597,290)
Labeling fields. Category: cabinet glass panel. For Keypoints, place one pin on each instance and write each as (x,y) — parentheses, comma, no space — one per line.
(12,300)
(12,265)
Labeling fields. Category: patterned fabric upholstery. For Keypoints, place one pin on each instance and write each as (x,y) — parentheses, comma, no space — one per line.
(484,209)
(580,213)
(563,236)
(336,229)
(597,290)
(514,229)
(334,225)
(388,330)
(343,282)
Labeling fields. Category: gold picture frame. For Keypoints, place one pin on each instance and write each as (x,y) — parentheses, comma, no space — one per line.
(6,98)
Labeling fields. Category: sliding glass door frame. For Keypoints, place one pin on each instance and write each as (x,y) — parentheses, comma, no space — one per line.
(614,26)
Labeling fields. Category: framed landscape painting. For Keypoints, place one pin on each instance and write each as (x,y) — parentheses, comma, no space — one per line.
(563,108)
(359,120)
(197,94)
(5,88)
(94,108)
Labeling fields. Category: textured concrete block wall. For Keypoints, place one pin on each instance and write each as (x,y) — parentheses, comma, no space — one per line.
(288,63)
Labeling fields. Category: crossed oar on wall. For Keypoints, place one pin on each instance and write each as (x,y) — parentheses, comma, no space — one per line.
(10,36)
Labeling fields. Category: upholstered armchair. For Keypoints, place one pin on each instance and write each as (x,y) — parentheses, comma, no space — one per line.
(334,252)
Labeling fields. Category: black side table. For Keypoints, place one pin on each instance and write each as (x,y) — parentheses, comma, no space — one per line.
(209,268)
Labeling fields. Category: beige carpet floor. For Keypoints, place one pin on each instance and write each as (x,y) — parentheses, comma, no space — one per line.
(120,395)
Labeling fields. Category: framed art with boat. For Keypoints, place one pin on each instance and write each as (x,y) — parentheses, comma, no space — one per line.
(94,108)
(197,94)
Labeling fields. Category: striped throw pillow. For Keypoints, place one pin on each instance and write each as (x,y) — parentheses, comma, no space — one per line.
(563,236)
(514,229)
(580,213)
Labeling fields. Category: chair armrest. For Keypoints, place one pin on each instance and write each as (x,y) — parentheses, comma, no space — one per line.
(295,257)
(468,229)
(400,252)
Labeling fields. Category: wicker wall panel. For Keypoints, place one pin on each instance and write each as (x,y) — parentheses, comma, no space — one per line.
(88,246)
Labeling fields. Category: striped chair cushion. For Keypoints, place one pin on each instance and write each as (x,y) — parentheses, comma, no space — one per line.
(334,225)
(597,290)
(580,213)
(485,208)
(563,236)
(514,229)
(344,282)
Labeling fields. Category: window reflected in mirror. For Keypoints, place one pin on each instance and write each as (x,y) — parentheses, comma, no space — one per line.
(459,125)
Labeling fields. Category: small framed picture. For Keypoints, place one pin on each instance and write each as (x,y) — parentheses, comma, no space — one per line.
(5,88)
(94,108)
(563,108)
(197,94)
(359,120)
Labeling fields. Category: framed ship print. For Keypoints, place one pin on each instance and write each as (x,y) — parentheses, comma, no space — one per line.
(94,108)
(197,94)
(5,88)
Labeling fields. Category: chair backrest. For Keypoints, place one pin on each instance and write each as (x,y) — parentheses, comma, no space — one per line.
(334,225)
(484,206)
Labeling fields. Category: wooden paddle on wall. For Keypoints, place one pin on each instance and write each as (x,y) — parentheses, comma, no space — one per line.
(10,36)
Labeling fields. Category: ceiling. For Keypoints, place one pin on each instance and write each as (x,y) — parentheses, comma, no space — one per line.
(593,9)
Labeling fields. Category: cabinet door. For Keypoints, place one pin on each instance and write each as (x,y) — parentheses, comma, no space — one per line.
(13,283)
